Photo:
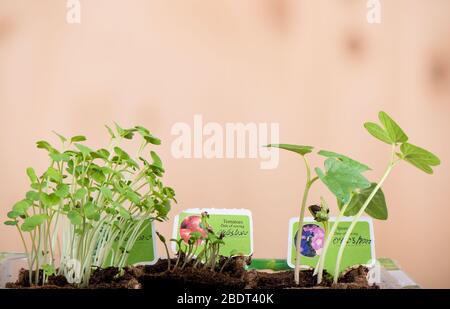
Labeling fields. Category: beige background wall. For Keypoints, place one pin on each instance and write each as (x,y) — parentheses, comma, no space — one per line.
(316,67)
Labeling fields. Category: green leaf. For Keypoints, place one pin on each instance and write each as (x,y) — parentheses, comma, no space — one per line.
(32,175)
(101,153)
(32,196)
(107,193)
(78,138)
(53,174)
(62,190)
(48,269)
(13,214)
(133,197)
(21,207)
(123,212)
(152,140)
(49,199)
(110,131)
(75,217)
(342,178)
(62,138)
(91,212)
(393,130)
(80,194)
(301,150)
(44,145)
(377,207)
(156,160)
(378,132)
(121,153)
(32,222)
(348,161)
(97,175)
(11,222)
(58,157)
(85,151)
(419,157)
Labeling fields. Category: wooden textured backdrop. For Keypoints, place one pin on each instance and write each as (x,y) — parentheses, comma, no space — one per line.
(316,67)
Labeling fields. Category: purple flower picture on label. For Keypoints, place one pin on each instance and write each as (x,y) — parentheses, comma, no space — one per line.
(312,240)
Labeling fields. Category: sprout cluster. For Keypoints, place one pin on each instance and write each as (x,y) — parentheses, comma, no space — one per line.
(90,206)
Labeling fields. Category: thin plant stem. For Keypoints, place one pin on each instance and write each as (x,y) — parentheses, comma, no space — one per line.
(359,214)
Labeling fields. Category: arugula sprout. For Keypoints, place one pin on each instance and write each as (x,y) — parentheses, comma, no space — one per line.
(99,201)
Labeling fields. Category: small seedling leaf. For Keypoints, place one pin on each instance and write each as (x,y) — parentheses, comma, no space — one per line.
(32,175)
(378,132)
(348,161)
(419,157)
(11,222)
(78,138)
(74,217)
(300,149)
(394,131)
(32,222)
(21,207)
(377,207)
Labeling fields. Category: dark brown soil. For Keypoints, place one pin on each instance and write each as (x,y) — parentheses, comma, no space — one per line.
(232,276)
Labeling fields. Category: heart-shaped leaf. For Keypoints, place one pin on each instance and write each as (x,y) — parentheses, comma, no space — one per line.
(342,178)
(348,161)
(377,207)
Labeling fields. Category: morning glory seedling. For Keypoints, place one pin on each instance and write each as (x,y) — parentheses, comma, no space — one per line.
(371,200)
(302,151)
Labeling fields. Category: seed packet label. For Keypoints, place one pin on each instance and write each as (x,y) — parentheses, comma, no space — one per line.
(360,248)
(144,249)
(236,224)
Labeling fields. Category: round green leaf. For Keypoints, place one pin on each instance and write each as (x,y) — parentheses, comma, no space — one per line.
(74,217)
(377,207)
(32,222)
(21,207)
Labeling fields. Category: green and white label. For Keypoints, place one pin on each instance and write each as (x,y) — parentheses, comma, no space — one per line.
(144,249)
(360,248)
(236,224)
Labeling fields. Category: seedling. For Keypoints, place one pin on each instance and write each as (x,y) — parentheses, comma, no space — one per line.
(100,201)
(302,151)
(371,200)
(355,195)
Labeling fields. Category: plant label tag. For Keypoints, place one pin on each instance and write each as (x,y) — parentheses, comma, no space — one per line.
(144,249)
(235,224)
(360,248)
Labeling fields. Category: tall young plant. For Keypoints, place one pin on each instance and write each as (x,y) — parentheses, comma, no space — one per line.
(392,134)
(302,151)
